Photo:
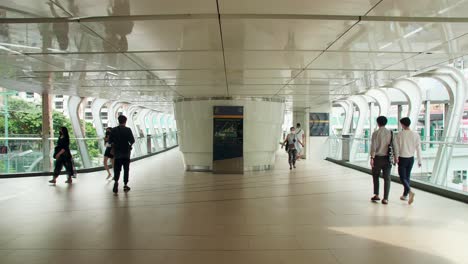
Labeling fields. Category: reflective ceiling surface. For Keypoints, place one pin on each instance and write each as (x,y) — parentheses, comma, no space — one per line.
(155,51)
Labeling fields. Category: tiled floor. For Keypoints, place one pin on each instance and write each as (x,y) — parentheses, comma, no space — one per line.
(319,213)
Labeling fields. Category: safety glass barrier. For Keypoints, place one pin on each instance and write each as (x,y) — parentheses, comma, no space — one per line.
(443,165)
(26,154)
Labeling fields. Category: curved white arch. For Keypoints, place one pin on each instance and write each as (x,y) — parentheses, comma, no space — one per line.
(362,104)
(96,107)
(349,110)
(382,99)
(73,105)
(455,83)
(132,109)
(414,96)
(152,128)
(112,114)
(141,117)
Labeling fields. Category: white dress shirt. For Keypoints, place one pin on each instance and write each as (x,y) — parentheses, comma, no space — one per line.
(380,141)
(299,134)
(408,142)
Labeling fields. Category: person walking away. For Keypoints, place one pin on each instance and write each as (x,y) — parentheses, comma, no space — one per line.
(121,139)
(382,144)
(301,136)
(107,153)
(408,142)
(290,143)
(62,156)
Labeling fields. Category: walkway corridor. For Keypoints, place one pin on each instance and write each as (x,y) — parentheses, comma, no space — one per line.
(319,213)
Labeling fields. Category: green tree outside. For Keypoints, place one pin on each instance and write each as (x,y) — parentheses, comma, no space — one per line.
(25,119)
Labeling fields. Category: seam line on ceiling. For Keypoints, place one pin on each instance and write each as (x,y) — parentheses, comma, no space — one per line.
(313,60)
(41,20)
(214,50)
(372,8)
(222,47)
(384,69)
(307,66)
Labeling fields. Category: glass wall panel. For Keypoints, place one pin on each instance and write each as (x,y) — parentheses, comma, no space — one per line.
(22,143)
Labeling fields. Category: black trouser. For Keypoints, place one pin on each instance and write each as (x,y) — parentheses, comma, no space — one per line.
(118,163)
(292,155)
(404,170)
(63,161)
(381,164)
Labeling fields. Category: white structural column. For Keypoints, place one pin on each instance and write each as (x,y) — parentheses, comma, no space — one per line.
(167,130)
(153,121)
(73,107)
(47,133)
(141,117)
(382,99)
(362,104)
(302,116)
(455,84)
(414,96)
(262,129)
(132,110)
(170,125)
(96,107)
(159,129)
(349,112)
(112,114)
(427,118)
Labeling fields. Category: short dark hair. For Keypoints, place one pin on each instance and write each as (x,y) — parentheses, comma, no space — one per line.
(292,128)
(122,119)
(382,120)
(298,124)
(405,121)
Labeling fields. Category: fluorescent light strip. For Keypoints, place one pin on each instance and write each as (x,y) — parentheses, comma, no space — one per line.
(445,10)
(10,50)
(18,46)
(56,50)
(111,73)
(413,32)
(386,45)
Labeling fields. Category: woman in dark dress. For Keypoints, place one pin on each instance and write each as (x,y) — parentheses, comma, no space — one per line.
(107,154)
(62,156)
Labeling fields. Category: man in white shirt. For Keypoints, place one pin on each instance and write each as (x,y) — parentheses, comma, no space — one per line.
(408,142)
(380,160)
(300,135)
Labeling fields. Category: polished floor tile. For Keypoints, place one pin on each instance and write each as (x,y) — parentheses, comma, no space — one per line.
(318,213)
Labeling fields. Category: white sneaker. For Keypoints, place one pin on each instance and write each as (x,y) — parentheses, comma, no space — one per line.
(411,198)
(404,198)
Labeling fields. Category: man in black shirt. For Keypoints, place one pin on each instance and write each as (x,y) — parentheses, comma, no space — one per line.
(121,139)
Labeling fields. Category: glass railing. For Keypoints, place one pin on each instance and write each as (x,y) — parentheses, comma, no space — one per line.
(455,156)
(26,154)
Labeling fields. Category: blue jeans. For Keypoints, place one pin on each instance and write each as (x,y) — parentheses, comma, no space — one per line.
(405,165)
